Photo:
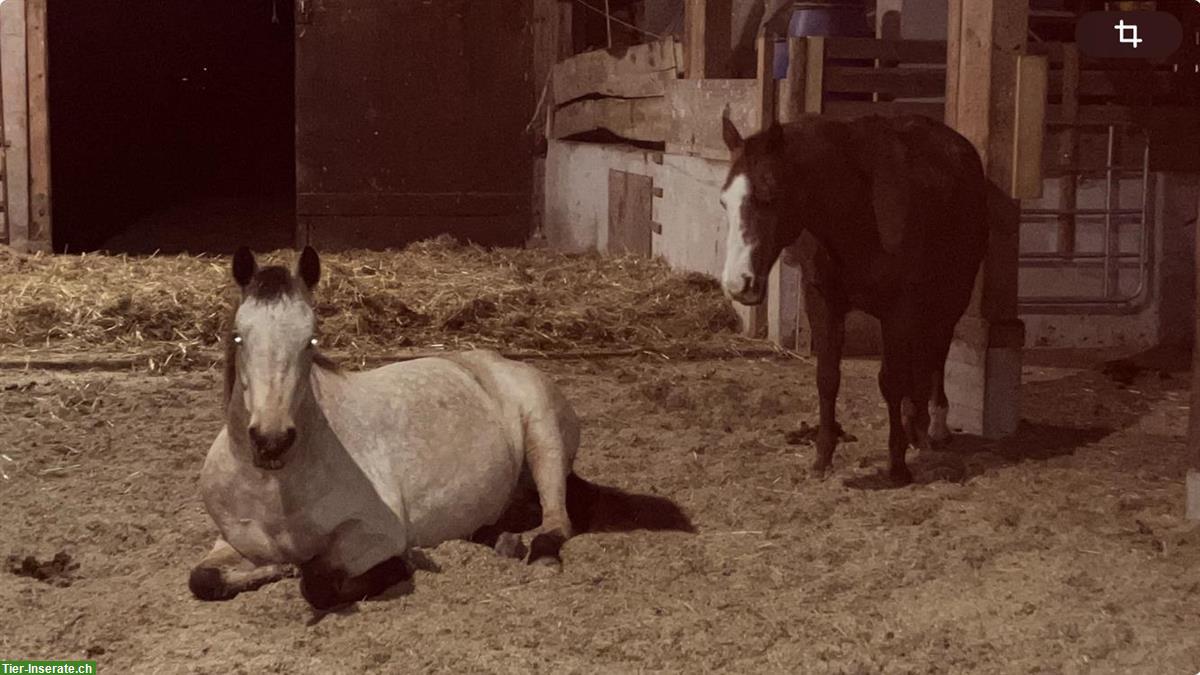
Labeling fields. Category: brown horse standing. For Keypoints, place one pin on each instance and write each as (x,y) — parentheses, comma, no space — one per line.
(885,215)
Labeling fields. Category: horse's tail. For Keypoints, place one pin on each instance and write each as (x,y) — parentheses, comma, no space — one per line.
(600,508)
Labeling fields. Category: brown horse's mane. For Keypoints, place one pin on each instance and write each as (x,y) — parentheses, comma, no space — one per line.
(271,284)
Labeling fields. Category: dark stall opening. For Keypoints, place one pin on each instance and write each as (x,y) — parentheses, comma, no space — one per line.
(172,125)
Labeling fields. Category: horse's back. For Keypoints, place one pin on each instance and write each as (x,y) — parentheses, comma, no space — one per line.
(528,395)
(947,202)
(428,429)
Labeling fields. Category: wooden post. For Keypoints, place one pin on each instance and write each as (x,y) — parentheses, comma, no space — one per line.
(1030,127)
(551,43)
(758,320)
(39,127)
(983,374)
(3,162)
(814,75)
(708,38)
(787,326)
(13,75)
(1193,474)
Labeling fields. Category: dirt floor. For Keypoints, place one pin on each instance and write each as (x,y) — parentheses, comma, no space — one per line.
(1061,550)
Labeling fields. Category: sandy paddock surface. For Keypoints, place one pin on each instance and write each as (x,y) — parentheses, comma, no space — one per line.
(1061,550)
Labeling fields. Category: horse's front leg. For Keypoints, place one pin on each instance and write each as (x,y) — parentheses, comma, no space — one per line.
(828,326)
(224,573)
(895,383)
(326,587)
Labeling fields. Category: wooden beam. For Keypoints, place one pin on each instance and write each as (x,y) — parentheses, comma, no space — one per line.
(3,161)
(639,119)
(853,109)
(1030,123)
(1193,474)
(412,204)
(566,23)
(759,319)
(898,82)
(708,38)
(767,89)
(985,39)
(898,51)
(637,72)
(545,41)
(13,75)
(814,75)
(39,127)
(791,90)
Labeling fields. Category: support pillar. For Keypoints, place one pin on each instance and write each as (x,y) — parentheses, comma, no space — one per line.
(1193,475)
(983,373)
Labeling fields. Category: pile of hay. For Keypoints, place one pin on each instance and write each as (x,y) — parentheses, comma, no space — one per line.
(433,294)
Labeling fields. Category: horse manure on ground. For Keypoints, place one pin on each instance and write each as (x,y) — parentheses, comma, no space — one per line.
(57,571)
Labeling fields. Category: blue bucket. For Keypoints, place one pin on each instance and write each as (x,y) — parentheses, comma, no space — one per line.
(812,19)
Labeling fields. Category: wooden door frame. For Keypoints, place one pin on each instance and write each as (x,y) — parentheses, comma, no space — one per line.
(31,229)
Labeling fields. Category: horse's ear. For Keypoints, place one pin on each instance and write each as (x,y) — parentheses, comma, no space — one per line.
(733,138)
(309,267)
(244,267)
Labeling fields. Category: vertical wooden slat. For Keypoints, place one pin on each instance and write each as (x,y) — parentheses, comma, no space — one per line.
(814,75)
(3,162)
(547,50)
(1068,142)
(1193,474)
(787,324)
(39,126)
(758,322)
(767,94)
(13,73)
(708,38)
(984,40)
(793,86)
(1030,123)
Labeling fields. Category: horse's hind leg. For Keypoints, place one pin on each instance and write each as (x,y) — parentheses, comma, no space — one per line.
(224,573)
(939,405)
(551,439)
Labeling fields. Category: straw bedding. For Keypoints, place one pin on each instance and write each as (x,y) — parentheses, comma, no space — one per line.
(433,294)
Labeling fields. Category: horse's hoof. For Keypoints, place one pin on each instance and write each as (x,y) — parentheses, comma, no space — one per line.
(940,442)
(900,476)
(208,584)
(509,545)
(546,547)
(820,470)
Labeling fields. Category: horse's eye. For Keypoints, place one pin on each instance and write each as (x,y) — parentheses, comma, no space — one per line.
(312,342)
(237,339)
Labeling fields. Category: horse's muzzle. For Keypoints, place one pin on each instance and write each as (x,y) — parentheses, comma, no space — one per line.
(752,292)
(269,448)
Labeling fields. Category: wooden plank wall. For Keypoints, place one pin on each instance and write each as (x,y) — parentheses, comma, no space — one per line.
(39,126)
(15,120)
(618,91)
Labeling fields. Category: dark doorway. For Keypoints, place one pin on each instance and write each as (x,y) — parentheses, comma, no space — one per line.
(172,124)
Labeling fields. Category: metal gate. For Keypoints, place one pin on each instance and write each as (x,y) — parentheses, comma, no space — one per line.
(1110,273)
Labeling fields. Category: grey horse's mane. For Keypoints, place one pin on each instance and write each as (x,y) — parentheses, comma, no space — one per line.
(269,284)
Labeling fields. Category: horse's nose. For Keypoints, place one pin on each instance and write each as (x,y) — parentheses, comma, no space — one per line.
(747,284)
(272,444)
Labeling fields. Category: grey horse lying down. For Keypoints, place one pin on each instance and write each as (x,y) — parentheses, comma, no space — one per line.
(342,474)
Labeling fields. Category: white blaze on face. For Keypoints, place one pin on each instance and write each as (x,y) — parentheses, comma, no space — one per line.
(737,249)
(274,334)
